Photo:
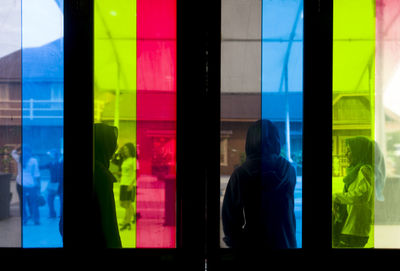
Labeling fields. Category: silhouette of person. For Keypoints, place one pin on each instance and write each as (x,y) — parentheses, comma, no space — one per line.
(105,227)
(16,154)
(353,208)
(31,186)
(53,188)
(258,206)
(128,183)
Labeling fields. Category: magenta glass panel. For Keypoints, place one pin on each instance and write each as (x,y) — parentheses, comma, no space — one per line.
(156,123)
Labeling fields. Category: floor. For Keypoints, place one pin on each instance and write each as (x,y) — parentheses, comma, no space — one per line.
(44,235)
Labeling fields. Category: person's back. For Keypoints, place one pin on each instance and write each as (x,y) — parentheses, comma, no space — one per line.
(258,207)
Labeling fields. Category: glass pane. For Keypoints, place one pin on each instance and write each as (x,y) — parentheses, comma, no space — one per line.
(261,78)
(10,123)
(42,122)
(135,91)
(387,132)
(365,95)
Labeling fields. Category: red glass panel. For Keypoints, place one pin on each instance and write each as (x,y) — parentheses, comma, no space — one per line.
(156,123)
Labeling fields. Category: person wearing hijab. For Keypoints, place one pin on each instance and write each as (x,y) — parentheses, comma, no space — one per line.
(258,206)
(357,196)
(105,231)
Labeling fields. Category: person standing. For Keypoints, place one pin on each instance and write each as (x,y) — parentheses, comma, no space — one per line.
(53,187)
(103,223)
(30,186)
(354,207)
(258,206)
(16,154)
(128,183)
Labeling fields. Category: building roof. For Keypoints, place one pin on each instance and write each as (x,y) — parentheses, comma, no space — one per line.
(247,106)
(10,67)
(40,64)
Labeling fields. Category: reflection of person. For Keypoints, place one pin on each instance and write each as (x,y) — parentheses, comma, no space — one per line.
(53,187)
(353,208)
(128,183)
(258,206)
(31,186)
(105,227)
(16,153)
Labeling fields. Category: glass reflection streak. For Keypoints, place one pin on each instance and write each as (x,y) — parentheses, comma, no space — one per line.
(42,121)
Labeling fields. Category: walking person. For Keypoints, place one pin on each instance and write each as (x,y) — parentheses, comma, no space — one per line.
(30,186)
(16,154)
(53,187)
(128,184)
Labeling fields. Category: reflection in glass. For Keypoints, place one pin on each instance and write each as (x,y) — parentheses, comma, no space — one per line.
(10,124)
(258,206)
(365,95)
(42,122)
(135,91)
(261,78)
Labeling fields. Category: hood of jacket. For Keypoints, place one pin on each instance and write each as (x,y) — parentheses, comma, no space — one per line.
(263,154)
(105,143)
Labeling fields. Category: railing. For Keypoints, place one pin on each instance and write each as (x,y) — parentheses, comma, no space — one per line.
(32,109)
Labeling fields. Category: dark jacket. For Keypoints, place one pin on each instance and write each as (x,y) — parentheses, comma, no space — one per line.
(258,207)
(105,231)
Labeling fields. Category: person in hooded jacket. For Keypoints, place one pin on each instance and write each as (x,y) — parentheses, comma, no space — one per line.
(353,209)
(258,206)
(105,233)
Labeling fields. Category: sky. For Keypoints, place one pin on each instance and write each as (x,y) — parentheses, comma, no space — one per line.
(42,22)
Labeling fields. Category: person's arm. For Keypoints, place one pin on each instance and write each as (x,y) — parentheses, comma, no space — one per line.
(230,211)
(15,155)
(133,175)
(362,188)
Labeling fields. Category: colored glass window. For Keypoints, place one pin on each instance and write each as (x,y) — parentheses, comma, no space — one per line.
(261,79)
(42,122)
(32,116)
(10,124)
(365,71)
(135,91)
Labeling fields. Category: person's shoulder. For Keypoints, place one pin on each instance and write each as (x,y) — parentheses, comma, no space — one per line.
(237,174)
(285,165)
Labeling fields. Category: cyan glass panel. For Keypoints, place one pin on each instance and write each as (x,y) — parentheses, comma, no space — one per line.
(282,86)
(42,122)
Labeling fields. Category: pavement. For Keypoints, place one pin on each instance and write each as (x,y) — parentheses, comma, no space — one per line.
(33,236)
(150,230)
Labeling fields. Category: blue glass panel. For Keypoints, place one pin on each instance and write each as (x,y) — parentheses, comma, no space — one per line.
(42,122)
(282,84)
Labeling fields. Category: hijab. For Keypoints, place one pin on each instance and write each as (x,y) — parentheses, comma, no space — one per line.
(361,155)
(262,140)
